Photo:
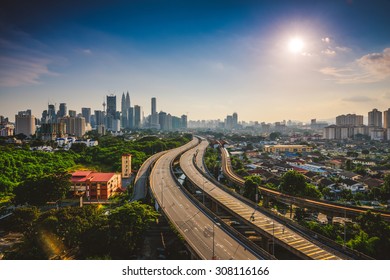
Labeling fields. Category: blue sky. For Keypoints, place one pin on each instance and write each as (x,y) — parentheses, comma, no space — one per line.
(204,58)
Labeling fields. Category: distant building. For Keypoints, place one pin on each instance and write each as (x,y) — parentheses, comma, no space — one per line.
(287,148)
(63,110)
(349,120)
(126,165)
(86,113)
(375,118)
(95,185)
(137,116)
(25,123)
(386,119)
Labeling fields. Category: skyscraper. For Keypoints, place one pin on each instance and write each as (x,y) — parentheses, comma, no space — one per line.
(111,105)
(63,110)
(128,101)
(235,120)
(123,111)
(154,116)
(154,105)
(130,118)
(86,112)
(137,116)
(375,118)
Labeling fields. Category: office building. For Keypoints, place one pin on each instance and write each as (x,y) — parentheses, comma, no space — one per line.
(137,116)
(86,113)
(63,110)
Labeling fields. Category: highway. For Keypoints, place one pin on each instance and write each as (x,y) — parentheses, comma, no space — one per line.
(204,236)
(309,203)
(140,181)
(293,241)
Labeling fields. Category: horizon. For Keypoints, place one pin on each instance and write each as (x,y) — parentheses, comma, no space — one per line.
(268,61)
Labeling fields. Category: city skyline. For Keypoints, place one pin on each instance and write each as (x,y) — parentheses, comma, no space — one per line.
(266,61)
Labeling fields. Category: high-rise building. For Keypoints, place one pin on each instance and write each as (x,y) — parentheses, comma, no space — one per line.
(25,123)
(128,100)
(111,105)
(184,121)
(72,113)
(154,105)
(63,110)
(123,111)
(51,114)
(99,117)
(86,113)
(386,119)
(375,118)
(349,119)
(130,118)
(235,120)
(79,129)
(162,119)
(154,116)
(137,116)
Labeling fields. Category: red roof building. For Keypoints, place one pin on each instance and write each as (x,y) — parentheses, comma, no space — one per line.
(96,185)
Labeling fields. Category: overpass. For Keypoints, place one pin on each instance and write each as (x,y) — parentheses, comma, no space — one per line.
(328,208)
(203,233)
(272,229)
(141,179)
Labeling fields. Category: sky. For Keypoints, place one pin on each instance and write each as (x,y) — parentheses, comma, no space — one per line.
(267,60)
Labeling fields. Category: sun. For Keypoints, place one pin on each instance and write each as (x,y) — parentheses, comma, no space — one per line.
(295,45)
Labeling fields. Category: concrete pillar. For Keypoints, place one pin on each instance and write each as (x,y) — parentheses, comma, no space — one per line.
(330,219)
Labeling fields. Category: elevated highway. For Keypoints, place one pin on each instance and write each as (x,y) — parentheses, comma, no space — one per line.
(270,228)
(141,179)
(328,208)
(200,231)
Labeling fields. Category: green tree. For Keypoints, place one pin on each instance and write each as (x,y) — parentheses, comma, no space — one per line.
(127,225)
(39,190)
(251,186)
(23,218)
(293,182)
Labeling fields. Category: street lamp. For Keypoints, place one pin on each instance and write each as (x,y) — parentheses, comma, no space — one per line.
(273,237)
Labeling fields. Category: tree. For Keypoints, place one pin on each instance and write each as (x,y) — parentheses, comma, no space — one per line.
(293,183)
(127,224)
(252,184)
(386,187)
(274,135)
(23,218)
(39,190)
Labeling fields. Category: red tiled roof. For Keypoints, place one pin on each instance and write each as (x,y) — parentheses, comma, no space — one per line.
(82,176)
(81,173)
(101,177)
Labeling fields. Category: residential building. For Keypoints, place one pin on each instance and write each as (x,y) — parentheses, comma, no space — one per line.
(25,123)
(126,165)
(287,148)
(375,118)
(95,185)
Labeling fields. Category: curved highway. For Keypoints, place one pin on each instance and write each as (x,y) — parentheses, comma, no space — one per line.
(140,181)
(206,238)
(282,235)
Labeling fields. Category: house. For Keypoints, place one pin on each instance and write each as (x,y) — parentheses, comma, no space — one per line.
(95,185)
(350,175)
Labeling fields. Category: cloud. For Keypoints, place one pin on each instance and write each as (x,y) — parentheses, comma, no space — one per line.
(342,49)
(87,51)
(329,52)
(326,40)
(18,71)
(378,64)
(359,99)
(369,68)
